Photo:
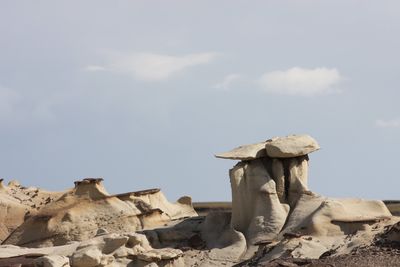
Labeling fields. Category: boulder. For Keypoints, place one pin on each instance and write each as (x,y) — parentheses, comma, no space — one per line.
(87,257)
(52,261)
(290,146)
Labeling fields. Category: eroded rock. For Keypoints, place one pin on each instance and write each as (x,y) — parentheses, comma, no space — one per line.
(52,261)
(245,152)
(81,212)
(256,209)
(291,146)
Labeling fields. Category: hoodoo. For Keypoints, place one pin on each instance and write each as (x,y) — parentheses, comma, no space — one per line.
(271,200)
(267,183)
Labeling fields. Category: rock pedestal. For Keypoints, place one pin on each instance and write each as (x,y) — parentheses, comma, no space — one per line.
(267,183)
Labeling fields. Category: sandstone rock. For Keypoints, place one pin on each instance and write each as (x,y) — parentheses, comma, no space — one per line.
(136,239)
(160,254)
(91,188)
(278,175)
(290,146)
(296,182)
(87,257)
(18,203)
(245,152)
(10,251)
(106,243)
(52,261)
(79,213)
(107,260)
(256,209)
(223,241)
(12,214)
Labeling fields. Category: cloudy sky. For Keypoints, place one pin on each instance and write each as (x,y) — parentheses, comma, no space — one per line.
(143,93)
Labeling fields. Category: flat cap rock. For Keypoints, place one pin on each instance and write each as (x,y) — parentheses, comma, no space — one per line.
(278,147)
(245,152)
(290,146)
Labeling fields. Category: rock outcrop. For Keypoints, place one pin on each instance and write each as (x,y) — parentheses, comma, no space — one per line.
(81,212)
(18,203)
(273,207)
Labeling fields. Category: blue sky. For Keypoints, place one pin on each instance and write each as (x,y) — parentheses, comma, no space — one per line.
(143,93)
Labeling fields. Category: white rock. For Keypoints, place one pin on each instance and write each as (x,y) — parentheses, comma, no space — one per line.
(52,261)
(290,146)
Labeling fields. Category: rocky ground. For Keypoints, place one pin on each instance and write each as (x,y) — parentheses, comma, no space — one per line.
(372,256)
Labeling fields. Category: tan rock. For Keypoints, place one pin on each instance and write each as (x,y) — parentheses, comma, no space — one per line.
(245,152)
(52,261)
(18,203)
(278,175)
(136,239)
(81,212)
(297,180)
(224,242)
(106,243)
(160,254)
(256,209)
(86,257)
(290,146)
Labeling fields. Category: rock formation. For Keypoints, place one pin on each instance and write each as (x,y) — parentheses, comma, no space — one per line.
(274,216)
(79,213)
(18,202)
(267,183)
(272,206)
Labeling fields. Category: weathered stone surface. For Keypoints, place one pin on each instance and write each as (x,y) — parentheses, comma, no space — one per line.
(245,152)
(256,209)
(278,174)
(79,213)
(297,180)
(105,243)
(18,203)
(52,261)
(160,254)
(224,242)
(86,257)
(290,146)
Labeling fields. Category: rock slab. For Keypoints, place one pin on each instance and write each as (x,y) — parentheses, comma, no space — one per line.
(291,146)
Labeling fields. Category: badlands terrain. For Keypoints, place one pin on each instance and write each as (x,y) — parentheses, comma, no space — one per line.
(273,220)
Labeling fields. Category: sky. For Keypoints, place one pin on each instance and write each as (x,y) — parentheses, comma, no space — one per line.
(144,93)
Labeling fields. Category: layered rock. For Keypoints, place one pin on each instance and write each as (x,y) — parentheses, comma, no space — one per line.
(82,211)
(18,203)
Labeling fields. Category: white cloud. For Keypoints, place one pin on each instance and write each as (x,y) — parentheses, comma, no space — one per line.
(395,123)
(153,67)
(228,81)
(300,81)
